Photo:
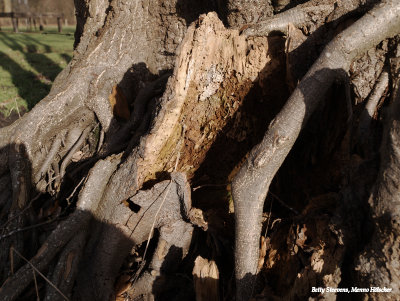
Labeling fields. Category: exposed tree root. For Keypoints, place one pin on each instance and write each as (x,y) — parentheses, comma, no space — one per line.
(55,147)
(163,207)
(72,101)
(299,16)
(173,245)
(215,70)
(64,274)
(78,144)
(251,184)
(308,16)
(184,102)
(88,201)
(371,107)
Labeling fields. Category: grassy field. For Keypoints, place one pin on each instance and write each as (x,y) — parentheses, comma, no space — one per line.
(29,63)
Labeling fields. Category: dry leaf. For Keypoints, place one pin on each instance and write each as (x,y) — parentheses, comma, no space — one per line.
(301,237)
(317,263)
(119,104)
(263,252)
(121,287)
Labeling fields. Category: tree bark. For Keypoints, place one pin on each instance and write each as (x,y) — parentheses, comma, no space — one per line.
(378,265)
(120,139)
(251,184)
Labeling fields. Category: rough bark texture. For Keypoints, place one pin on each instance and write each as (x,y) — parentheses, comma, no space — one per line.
(251,184)
(107,49)
(378,266)
(251,11)
(215,70)
(120,142)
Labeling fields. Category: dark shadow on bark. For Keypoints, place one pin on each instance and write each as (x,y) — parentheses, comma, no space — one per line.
(15,231)
(135,79)
(124,135)
(190,10)
(40,221)
(262,104)
(246,128)
(81,13)
(177,282)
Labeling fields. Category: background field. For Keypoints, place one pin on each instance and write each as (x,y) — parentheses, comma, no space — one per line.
(29,63)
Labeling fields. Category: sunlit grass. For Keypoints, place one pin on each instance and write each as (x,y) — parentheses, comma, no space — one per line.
(29,63)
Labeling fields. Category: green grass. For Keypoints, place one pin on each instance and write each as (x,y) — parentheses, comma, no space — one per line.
(29,63)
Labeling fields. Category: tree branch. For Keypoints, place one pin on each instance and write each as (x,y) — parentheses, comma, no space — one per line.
(250,185)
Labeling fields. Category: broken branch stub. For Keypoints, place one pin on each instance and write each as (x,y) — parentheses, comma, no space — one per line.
(250,185)
(165,207)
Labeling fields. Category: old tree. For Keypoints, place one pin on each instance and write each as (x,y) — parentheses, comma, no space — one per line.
(210,150)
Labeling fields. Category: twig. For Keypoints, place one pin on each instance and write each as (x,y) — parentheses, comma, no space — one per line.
(373,101)
(72,151)
(209,185)
(37,271)
(53,152)
(36,286)
(150,235)
(27,228)
(57,178)
(269,218)
(16,106)
(101,140)
(73,192)
(283,203)
(22,211)
(12,261)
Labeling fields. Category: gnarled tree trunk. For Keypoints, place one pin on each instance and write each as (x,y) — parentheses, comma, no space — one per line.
(160,97)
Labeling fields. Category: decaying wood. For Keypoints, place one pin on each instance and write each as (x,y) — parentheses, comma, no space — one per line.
(251,184)
(206,278)
(198,102)
(175,122)
(73,102)
(214,71)
(243,12)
